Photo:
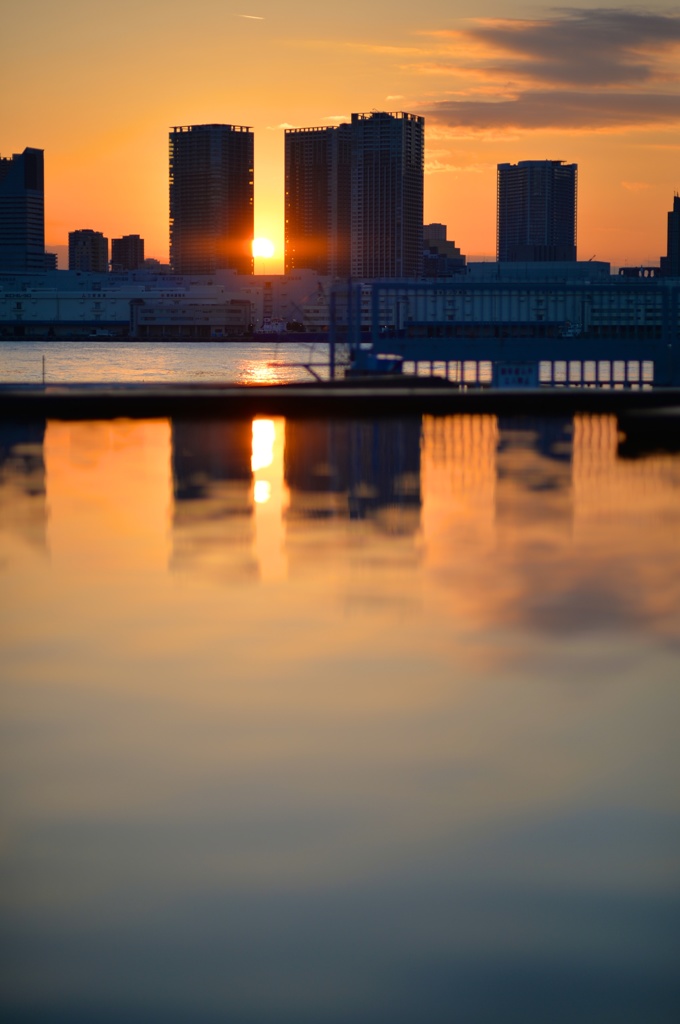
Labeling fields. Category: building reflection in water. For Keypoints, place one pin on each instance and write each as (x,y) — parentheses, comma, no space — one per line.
(534,512)
(213,510)
(540,524)
(518,521)
(241,487)
(361,470)
(625,527)
(394,739)
(22,483)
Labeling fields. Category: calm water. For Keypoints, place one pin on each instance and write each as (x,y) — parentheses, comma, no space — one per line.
(259,362)
(336,722)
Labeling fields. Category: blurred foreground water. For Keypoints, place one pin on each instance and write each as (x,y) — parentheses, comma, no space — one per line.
(337,722)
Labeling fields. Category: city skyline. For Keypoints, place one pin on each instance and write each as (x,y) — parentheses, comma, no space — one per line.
(590,85)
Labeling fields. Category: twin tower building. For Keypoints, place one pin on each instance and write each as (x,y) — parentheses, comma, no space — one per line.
(353,197)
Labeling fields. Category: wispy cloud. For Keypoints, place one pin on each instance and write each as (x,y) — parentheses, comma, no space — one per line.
(576,69)
(251,17)
(436,166)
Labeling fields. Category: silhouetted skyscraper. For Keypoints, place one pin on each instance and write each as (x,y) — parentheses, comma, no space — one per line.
(354,197)
(211,198)
(88,250)
(317,200)
(670,263)
(127,253)
(387,194)
(536,211)
(22,212)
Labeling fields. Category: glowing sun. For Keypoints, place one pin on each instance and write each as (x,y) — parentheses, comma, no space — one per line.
(263,248)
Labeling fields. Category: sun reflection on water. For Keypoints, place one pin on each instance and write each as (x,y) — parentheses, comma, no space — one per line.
(270,498)
(262,491)
(263,444)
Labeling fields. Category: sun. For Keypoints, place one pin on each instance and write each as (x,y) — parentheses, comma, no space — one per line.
(263,248)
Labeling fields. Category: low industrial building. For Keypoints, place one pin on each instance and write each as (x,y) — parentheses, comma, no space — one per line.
(188,320)
(489,300)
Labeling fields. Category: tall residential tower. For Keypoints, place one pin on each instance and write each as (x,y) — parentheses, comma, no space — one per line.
(22,212)
(354,197)
(317,200)
(536,211)
(387,194)
(211,198)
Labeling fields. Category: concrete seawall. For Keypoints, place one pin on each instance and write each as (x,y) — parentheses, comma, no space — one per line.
(363,398)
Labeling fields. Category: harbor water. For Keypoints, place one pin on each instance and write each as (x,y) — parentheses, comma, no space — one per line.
(335,721)
(256,362)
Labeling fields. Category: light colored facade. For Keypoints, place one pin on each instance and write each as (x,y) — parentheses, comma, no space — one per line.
(65,304)
(577,300)
(190,318)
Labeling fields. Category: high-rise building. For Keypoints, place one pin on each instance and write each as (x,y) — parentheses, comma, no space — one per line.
(127,253)
(536,211)
(211,198)
(88,250)
(354,197)
(670,263)
(22,212)
(317,200)
(387,194)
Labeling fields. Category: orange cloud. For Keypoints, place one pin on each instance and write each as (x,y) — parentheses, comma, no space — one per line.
(576,47)
(578,70)
(560,109)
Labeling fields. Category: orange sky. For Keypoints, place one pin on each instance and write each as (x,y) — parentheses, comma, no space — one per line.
(598,85)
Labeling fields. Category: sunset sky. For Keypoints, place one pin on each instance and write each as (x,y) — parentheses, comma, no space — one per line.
(98,86)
